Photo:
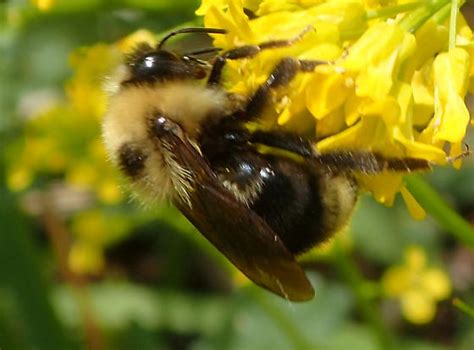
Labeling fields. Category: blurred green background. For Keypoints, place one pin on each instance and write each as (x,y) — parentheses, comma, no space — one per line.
(83,267)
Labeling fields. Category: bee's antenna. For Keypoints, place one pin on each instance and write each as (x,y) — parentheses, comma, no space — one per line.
(190,30)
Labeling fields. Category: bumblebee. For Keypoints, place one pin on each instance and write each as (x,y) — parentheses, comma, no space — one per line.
(177,134)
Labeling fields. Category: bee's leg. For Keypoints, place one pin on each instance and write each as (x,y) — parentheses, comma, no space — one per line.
(338,161)
(282,75)
(369,162)
(247,51)
(284,140)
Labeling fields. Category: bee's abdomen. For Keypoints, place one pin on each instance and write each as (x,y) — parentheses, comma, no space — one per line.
(339,195)
(302,206)
(290,202)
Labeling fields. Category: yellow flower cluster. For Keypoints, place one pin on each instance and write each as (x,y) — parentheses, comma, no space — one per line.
(394,83)
(418,286)
(65,141)
(93,230)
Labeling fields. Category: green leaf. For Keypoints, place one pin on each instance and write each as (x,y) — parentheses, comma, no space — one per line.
(135,337)
(381,233)
(20,273)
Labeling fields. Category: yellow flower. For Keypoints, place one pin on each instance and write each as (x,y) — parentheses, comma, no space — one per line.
(43,5)
(387,87)
(85,258)
(417,286)
(451,77)
(85,90)
(65,140)
(98,227)
(19,178)
(93,230)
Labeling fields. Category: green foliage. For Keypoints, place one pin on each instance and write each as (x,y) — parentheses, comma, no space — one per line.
(24,283)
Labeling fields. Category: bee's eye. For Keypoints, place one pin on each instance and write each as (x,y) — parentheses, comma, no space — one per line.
(152,64)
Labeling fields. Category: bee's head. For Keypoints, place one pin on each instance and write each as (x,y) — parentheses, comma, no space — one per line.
(155,107)
(148,65)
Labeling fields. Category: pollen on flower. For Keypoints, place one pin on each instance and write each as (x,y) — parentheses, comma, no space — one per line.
(387,86)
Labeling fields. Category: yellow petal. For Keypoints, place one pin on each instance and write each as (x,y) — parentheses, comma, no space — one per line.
(415,209)
(378,61)
(83,174)
(436,283)
(85,258)
(342,140)
(431,38)
(325,93)
(349,16)
(396,281)
(90,226)
(454,119)
(422,87)
(415,258)
(386,107)
(353,106)
(43,5)
(451,71)
(417,307)
(109,192)
(369,49)
(451,76)
(457,149)
(285,25)
(236,35)
(19,178)
(421,150)
(236,10)
(85,90)
(383,187)
(207,4)
(376,81)
(271,6)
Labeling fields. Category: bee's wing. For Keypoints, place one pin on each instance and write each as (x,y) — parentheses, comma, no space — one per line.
(239,233)
(247,241)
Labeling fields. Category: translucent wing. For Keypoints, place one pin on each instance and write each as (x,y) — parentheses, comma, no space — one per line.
(238,232)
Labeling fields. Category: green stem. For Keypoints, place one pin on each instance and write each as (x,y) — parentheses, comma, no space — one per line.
(442,15)
(391,11)
(414,20)
(452,23)
(285,324)
(439,210)
(354,279)
(461,305)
